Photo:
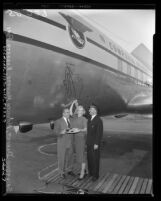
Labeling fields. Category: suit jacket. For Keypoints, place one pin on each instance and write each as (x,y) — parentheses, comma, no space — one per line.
(60,125)
(94,131)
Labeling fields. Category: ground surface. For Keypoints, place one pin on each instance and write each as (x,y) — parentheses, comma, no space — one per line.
(126,149)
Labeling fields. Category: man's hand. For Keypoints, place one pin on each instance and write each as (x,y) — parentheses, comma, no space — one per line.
(63,132)
(95,146)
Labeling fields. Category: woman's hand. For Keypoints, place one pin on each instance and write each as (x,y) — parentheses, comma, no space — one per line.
(75,101)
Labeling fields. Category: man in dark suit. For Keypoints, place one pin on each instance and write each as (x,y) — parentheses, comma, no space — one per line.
(64,144)
(94,136)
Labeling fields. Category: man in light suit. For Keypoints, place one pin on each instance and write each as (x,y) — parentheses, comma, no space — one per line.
(64,144)
(94,136)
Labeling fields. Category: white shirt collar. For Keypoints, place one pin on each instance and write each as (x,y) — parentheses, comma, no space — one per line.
(93,117)
(65,119)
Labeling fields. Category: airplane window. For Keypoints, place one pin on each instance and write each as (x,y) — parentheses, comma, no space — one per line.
(141,76)
(136,73)
(124,67)
(119,65)
(132,71)
(145,80)
(129,69)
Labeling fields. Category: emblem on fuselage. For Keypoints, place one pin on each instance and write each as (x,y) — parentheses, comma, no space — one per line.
(77,37)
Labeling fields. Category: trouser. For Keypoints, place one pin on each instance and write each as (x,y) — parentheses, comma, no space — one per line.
(93,158)
(65,156)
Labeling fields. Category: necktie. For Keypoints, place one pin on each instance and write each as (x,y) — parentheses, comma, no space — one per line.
(68,123)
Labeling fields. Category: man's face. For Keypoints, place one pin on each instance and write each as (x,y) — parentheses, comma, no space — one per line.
(66,113)
(92,111)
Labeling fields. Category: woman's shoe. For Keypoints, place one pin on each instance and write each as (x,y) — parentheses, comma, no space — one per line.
(85,175)
(80,178)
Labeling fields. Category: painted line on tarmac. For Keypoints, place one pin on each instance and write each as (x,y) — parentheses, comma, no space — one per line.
(42,152)
(46,175)
(46,192)
(50,166)
(128,131)
(54,164)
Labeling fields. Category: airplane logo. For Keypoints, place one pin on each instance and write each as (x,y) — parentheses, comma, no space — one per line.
(76,30)
(77,37)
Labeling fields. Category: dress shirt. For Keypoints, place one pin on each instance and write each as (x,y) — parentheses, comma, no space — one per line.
(92,117)
(67,122)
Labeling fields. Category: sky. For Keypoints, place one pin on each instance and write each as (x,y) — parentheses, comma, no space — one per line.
(128,27)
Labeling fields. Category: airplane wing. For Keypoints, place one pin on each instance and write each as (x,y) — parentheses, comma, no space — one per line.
(142,104)
(140,109)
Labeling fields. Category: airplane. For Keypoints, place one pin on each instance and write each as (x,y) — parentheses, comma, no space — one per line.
(55,56)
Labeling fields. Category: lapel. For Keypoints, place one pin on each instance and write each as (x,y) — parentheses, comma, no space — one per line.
(64,124)
(93,118)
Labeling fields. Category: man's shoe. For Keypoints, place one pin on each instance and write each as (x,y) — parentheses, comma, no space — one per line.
(89,175)
(71,173)
(80,178)
(86,173)
(94,179)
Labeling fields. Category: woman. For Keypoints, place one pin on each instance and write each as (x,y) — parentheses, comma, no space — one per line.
(80,123)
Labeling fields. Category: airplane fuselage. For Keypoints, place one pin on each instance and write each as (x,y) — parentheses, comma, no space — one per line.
(51,62)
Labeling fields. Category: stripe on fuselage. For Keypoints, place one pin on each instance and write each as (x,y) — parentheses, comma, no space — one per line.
(24,39)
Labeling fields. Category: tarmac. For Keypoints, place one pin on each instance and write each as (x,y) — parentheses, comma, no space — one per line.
(126,149)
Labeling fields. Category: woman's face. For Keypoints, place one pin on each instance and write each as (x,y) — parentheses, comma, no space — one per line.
(80,111)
